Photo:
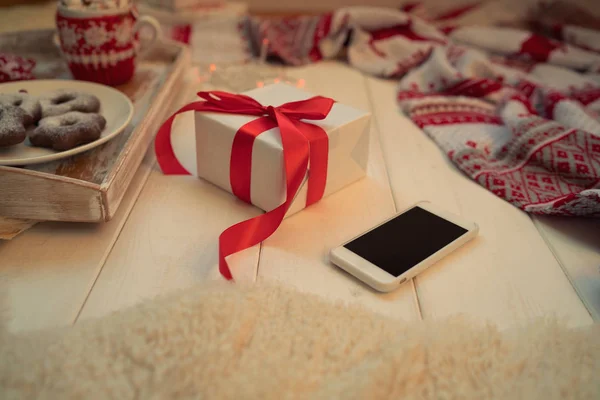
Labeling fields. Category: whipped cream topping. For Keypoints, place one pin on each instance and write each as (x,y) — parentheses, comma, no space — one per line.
(95,4)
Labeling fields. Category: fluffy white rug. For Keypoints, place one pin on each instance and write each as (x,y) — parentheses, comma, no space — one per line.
(230,341)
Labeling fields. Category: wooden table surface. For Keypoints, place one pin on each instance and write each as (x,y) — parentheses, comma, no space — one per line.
(165,239)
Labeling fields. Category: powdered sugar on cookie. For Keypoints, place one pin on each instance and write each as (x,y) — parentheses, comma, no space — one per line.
(64,101)
(12,125)
(69,130)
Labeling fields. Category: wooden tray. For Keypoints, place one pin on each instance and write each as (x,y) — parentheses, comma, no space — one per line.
(90,186)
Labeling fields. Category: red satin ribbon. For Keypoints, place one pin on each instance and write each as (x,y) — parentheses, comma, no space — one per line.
(301,142)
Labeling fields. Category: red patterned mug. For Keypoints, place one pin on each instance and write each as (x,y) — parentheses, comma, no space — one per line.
(102,45)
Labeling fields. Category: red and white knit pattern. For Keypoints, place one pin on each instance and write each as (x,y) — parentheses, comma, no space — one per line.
(15,68)
(529,139)
(100,49)
(516,111)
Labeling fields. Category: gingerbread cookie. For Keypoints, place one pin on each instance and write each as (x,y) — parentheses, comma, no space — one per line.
(64,132)
(26,102)
(63,101)
(12,125)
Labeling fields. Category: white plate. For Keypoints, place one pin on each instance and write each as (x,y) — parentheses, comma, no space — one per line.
(114,106)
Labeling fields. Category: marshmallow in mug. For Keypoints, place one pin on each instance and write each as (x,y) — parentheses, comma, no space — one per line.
(95,4)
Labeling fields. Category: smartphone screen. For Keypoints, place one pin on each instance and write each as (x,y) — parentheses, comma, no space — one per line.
(403,242)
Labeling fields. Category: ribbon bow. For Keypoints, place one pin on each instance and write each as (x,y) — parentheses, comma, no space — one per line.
(301,142)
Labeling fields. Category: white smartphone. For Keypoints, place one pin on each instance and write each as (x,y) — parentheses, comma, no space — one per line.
(403,246)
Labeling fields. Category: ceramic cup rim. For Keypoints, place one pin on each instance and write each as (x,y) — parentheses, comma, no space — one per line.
(81,14)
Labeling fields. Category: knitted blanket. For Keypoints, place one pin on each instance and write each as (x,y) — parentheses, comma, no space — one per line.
(515,110)
(265,342)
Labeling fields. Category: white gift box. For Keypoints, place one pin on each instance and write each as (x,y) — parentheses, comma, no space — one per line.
(202,143)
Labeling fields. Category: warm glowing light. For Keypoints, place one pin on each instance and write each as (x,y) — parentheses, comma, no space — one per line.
(276,80)
(300,83)
(260,84)
(212,67)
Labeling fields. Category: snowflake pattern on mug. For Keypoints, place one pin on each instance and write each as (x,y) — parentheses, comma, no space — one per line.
(69,36)
(106,47)
(123,32)
(96,35)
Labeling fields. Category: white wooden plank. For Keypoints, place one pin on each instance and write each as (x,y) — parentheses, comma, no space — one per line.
(47,272)
(576,245)
(507,274)
(170,242)
(297,254)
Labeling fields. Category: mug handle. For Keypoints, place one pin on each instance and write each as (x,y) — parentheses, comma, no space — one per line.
(154,25)
(56,41)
